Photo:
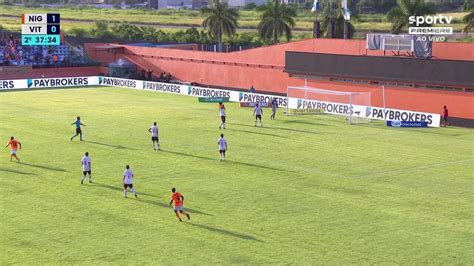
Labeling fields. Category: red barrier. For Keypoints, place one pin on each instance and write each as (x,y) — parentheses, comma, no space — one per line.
(263,68)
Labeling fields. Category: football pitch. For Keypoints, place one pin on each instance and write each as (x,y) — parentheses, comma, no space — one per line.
(303,189)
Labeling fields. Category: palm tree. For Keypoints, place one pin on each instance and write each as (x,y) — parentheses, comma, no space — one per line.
(277,19)
(469,18)
(338,19)
(220,20)
(399,15)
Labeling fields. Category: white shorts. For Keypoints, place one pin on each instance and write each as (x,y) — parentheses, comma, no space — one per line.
(13,151)
(178,208)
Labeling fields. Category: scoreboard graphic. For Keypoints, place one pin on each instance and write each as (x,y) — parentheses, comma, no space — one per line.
(40,29)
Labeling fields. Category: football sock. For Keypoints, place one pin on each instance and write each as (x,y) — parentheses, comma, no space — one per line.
(187,215)
(177,215)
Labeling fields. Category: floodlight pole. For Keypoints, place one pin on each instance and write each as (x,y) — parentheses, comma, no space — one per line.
(287,100)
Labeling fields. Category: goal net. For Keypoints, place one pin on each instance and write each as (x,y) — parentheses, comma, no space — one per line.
(353,106)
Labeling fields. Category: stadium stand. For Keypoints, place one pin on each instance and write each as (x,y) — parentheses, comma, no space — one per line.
(12,53)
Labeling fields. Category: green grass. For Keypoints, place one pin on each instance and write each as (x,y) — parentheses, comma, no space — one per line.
(303,189)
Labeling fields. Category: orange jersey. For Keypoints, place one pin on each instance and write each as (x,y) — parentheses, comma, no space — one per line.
(13,144)
(177,199)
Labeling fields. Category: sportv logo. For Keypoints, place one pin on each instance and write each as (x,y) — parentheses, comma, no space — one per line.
(422,25)
(438,19)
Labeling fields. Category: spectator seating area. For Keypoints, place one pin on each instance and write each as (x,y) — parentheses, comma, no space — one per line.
(12,53)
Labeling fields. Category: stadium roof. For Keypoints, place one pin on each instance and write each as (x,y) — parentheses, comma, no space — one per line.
(109,47)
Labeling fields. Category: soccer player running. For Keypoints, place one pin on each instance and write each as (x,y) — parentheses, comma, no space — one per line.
(78,128)
(127,182)
(258,112)
(222,142)
(274,108)
(154,136)
(223,115)
(86,168)
(14,144)
(178,200)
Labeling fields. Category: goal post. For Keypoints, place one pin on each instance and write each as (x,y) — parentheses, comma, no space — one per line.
(307,100)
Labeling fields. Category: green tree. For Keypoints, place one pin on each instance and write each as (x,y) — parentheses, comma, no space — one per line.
(148,33)
(220,20)
(336,16)
(126,31)
(101,30)
(469,18)
(78,32)
(399,15)
(277,19)
(250,6)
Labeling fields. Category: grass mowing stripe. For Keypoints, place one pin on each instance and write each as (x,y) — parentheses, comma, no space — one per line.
(286,195)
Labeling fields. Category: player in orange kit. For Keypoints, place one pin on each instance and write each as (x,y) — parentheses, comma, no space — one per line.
(14,144)
(178,200)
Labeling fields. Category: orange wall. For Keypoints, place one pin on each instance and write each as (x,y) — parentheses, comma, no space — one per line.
(263,68)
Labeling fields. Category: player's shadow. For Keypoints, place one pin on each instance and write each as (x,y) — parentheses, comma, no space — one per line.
(188,155)
(226,232)
(235,162)
(44,167)
(164,205)
(119,189)
(303,122)
(109,145)
(257,133)
(16,172)
(260,166)
(279,128)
